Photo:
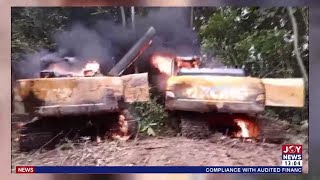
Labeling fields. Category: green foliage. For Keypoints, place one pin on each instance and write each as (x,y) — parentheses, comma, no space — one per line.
(151,114)
(264,54)
(32,29)
(259,40)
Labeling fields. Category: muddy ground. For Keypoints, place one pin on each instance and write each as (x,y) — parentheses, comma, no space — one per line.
(169,149)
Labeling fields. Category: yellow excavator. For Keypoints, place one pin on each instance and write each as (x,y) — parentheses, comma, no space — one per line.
(206,99)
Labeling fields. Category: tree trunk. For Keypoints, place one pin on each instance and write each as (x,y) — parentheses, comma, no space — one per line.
(296,45)
(133,17)
(191,18)
(123,16)
(136,70)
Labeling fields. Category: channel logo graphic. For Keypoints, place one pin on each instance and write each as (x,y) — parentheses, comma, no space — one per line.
(292,155)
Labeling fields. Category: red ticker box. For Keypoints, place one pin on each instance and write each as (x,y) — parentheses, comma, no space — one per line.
(25,169)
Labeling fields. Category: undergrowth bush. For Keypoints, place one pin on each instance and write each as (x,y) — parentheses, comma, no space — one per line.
(151,116)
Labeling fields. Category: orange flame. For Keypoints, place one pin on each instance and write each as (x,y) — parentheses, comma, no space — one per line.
(235,125)
(91,68)
(121,132)
(187,64)
(163,63)
(244,129)
(248,128)
(92,65)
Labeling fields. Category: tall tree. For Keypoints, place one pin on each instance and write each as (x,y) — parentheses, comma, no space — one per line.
(123,15)
(191,18)
(296,44)
(132,17)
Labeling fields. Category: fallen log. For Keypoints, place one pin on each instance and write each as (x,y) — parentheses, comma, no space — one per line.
(205,93)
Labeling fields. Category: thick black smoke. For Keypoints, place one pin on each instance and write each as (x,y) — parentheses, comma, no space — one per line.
(107,42)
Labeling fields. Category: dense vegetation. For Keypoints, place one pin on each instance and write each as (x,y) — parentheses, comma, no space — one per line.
(259,40)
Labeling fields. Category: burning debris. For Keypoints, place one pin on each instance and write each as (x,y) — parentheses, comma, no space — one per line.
(91,69)
(125,127)
(66,67)
(106,42)
(169,64)
(188,62)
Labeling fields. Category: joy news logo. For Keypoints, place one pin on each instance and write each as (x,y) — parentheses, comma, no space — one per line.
(292,155)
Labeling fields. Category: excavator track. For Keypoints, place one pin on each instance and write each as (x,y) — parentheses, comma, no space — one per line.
(194,127)
(34,135)
(35,140)
(47,132)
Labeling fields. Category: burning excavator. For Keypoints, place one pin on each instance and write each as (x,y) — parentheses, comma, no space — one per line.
(200,99)
(67,97)
(225,99)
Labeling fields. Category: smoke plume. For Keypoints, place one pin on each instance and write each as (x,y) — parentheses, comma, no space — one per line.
(106,42)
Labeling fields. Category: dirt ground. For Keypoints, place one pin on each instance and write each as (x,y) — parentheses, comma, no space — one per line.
(159,151)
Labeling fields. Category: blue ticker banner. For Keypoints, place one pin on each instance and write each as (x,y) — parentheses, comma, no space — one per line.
(159,169)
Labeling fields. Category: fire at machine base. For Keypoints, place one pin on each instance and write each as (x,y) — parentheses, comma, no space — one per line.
(204,125)
(48,132)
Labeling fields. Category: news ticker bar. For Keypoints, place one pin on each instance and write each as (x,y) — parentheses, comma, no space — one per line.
(160,169)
